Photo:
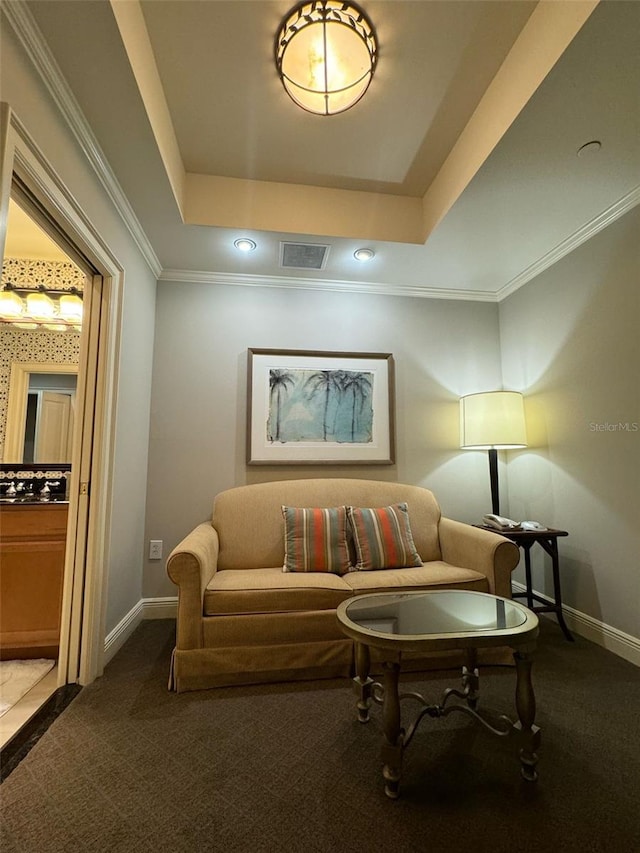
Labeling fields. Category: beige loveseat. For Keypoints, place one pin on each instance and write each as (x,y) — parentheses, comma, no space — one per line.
(242,620)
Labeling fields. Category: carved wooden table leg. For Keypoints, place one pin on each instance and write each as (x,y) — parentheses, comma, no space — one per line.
(393,733)
(362,683)
(526,708)
(470,678)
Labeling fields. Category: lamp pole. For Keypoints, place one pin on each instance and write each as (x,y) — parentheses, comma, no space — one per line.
(493,476)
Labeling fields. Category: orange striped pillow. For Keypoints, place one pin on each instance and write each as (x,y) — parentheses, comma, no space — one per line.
(382,538)
(315,540)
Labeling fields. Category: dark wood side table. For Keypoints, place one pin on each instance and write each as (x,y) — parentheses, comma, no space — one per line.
(547,539)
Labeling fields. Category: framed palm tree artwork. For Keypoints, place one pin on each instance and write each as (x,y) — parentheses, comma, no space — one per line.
(309,407)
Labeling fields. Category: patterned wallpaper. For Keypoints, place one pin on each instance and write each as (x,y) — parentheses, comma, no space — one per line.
(55,275)
(40,345)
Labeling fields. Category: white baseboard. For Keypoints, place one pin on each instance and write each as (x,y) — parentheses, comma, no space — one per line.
(160,608)
(146,608)
(621,644)
(116,638)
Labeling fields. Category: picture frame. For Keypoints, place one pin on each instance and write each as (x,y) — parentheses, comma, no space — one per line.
(315,407)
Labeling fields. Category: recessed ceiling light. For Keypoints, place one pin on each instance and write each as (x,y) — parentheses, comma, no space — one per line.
(589,147)
(244,244)
(363,254)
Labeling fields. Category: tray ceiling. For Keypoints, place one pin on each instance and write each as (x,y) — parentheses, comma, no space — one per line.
(459,166)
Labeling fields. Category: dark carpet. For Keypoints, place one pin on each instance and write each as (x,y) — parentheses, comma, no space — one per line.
(128,766)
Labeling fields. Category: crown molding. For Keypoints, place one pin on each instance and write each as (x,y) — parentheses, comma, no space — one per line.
(38,52)
(335,285)
(584,233)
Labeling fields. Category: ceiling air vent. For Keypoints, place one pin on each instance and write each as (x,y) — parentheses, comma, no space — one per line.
(303,256)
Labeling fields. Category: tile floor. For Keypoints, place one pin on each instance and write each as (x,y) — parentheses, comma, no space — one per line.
(20,714)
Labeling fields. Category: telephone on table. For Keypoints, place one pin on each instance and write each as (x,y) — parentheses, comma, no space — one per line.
(499,522)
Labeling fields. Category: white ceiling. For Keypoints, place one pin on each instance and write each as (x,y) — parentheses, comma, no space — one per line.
(465,188)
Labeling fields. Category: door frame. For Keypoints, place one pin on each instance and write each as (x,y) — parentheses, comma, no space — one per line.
(82,630)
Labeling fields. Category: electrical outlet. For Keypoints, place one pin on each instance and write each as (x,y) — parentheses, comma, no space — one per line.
(155,549)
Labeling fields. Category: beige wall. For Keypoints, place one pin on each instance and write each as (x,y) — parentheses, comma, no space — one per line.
(571,342)
(441,349)
(23,90)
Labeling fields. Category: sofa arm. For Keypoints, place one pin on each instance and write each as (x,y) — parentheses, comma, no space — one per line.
(191,565)
(481,550)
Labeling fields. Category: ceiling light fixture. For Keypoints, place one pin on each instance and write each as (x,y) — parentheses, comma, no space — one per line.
(29,307)
(326,52)
(244,244)
(364,254)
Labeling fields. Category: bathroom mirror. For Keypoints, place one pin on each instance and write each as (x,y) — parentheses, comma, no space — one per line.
(40,413)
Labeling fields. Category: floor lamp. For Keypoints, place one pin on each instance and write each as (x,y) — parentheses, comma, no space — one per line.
(492,421)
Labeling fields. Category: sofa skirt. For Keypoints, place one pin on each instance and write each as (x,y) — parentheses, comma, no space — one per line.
(198,669)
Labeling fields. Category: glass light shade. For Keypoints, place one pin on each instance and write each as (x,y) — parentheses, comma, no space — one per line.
(326,52)
(71,308)
(494,419)
(11,306)
(40,306)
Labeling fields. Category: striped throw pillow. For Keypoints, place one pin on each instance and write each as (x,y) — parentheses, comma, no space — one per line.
(382,537)
(315,540)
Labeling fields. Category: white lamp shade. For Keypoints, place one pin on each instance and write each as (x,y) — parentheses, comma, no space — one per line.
(494,419)
(11,306)
(71,308)
(40,306)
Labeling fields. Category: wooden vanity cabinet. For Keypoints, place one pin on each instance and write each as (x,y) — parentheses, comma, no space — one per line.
(32,552)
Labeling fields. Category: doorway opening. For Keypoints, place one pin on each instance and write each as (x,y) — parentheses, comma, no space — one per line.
(36,455)
(81,426)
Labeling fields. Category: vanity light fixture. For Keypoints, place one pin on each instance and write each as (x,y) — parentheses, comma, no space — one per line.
(364,254)
(11,306)
(244,244)
(40,306)
(326,52)
(70,308)
(29,307)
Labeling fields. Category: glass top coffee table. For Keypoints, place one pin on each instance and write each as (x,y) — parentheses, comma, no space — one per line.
(434,621)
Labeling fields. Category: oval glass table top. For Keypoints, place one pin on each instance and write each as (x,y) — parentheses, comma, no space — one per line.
(438,613)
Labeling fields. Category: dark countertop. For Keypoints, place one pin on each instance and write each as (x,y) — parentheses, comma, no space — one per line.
(6,503)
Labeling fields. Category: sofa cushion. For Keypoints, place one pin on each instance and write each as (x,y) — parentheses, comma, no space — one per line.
(428,576)
(382,537)
(272,591)
(315,540)
(250,527)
